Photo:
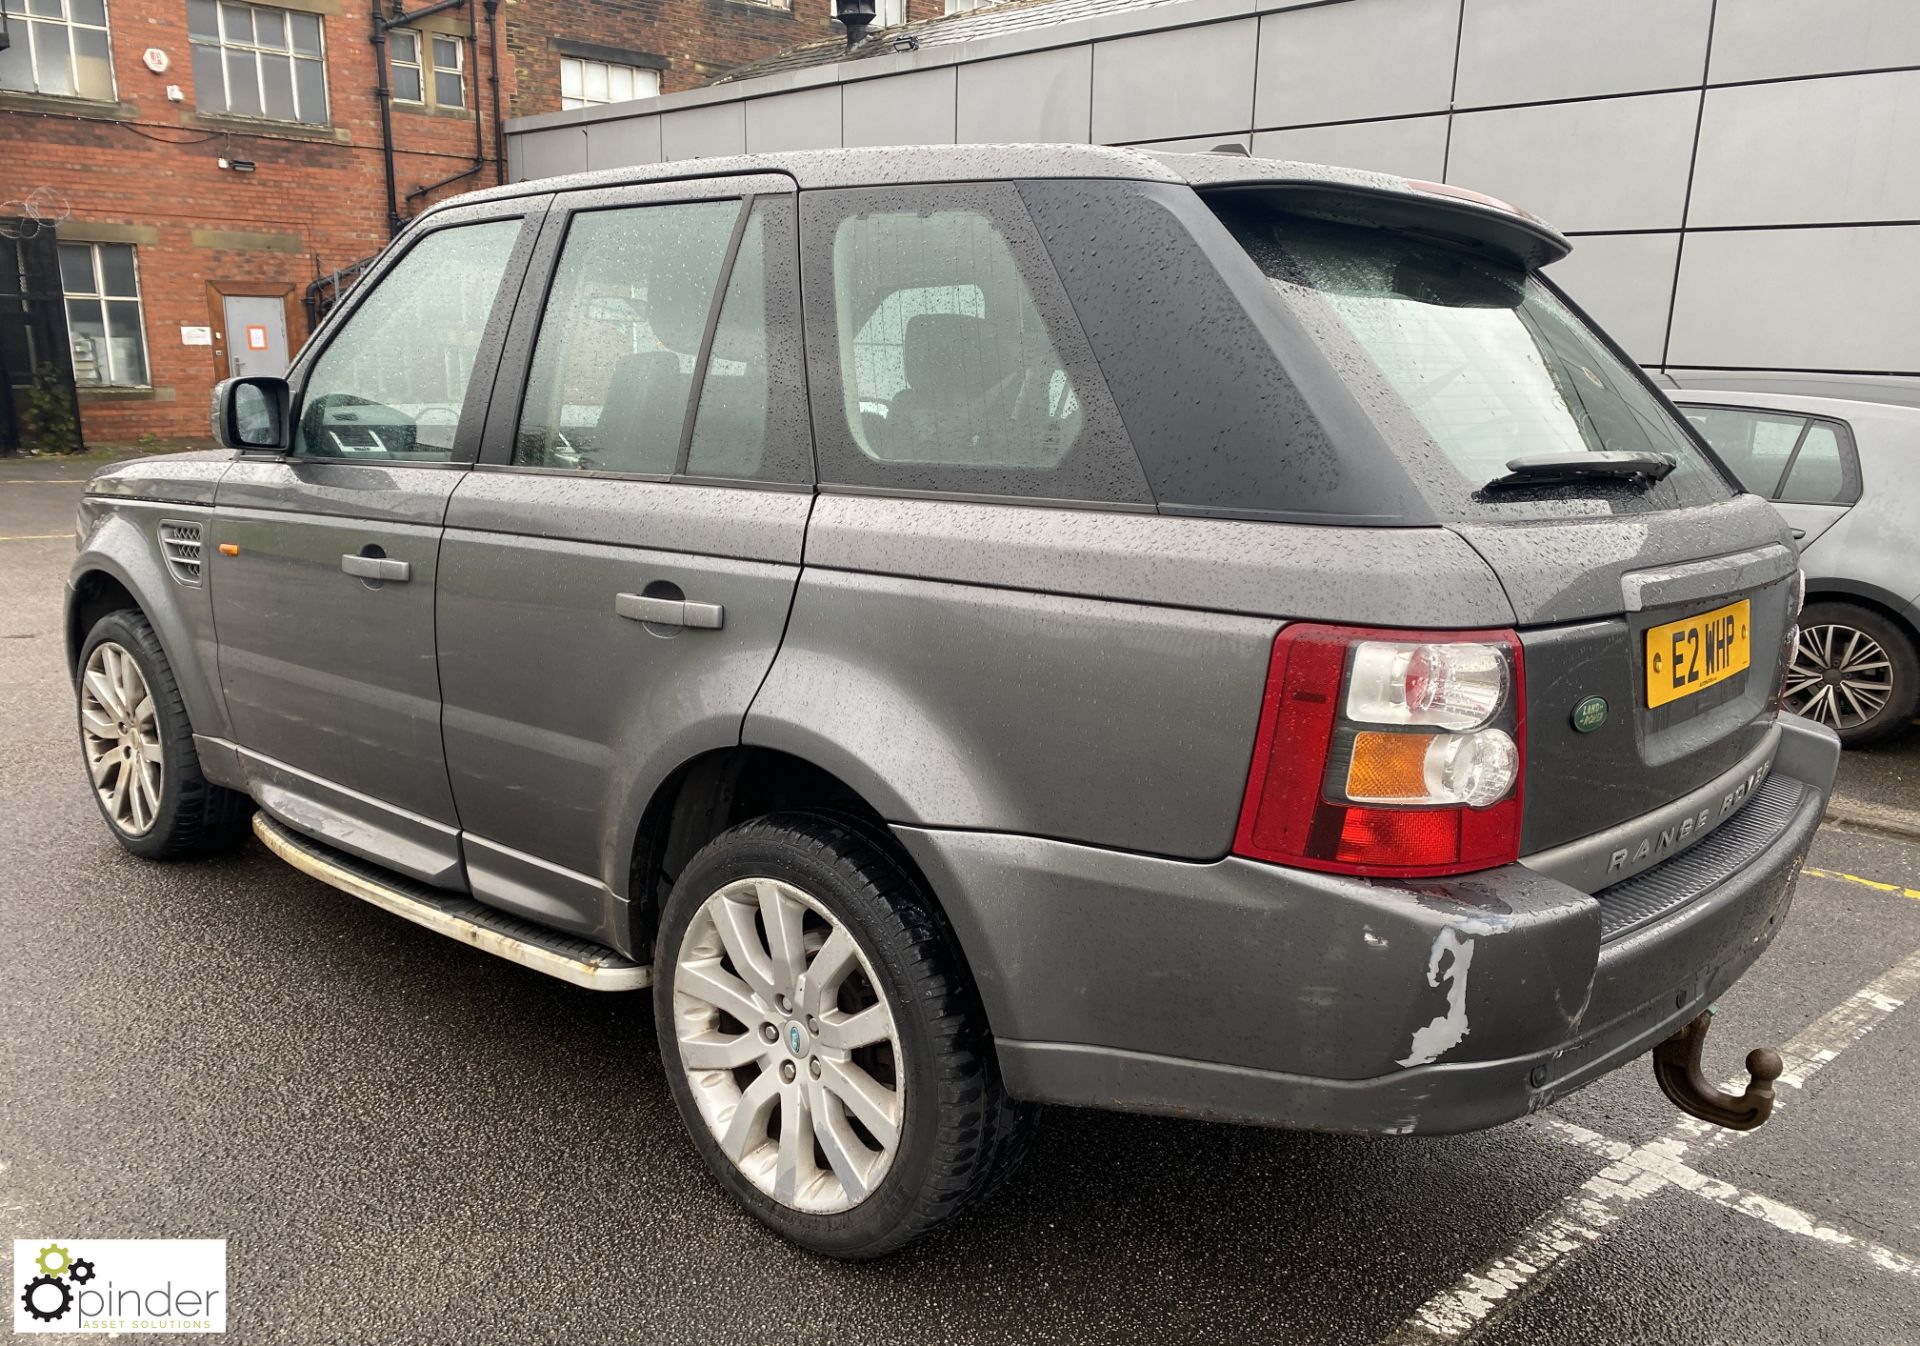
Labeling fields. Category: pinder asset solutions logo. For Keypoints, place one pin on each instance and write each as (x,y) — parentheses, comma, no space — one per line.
(120,1285)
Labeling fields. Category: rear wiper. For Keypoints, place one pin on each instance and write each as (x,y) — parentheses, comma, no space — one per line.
(1556,469)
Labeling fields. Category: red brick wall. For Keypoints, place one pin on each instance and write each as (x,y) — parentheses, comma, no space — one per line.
(147,167)
(697,38)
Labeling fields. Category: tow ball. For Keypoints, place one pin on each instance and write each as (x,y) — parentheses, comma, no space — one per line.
(1676,1068)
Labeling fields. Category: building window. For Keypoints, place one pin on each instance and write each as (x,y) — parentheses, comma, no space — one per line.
(586,83)
(254,61)
(441,80)
(59,47)
(102,287)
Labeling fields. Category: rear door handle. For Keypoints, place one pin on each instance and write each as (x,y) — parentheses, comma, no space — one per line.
(377,568)
(1799,534)
(670,611)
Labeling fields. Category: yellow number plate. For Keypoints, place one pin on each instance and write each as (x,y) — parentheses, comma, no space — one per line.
(1689,656)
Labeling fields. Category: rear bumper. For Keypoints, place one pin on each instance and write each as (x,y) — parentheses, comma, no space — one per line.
(1243,992)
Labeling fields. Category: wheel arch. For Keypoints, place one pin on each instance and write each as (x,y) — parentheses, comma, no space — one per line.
(1904,615)
(120,570)
(721,788)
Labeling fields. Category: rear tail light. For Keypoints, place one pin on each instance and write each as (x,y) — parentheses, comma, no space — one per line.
(1387,753)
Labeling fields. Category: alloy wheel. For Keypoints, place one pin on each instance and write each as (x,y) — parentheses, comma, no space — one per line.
(1840,676)
(789,1046)
(120,728)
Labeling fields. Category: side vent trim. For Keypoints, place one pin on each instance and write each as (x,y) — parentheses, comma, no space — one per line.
(180,544)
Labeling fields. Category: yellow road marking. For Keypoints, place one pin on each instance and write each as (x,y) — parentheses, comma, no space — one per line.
(1874,884)
(34,537)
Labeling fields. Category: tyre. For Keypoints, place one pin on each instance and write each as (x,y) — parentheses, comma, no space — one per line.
(138,747)
(822,1039)
(1855,671)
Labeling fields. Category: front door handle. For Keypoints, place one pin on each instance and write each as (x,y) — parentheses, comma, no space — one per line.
(377,568)
(670,611)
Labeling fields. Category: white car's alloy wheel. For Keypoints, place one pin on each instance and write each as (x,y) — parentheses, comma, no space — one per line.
(790,1049)
(120,726)
(1840,676)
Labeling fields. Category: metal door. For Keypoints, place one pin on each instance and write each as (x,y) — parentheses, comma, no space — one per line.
(325,558)
(256,335)
(602,621)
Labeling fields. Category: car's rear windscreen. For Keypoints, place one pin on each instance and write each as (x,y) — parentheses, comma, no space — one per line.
(1480,359)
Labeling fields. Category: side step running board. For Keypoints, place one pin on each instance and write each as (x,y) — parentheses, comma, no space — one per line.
(579,961)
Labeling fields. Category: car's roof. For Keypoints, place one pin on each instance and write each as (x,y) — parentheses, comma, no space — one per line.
(883,166)
(1813,399)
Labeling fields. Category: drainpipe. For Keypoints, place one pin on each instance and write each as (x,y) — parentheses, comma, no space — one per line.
(384,94)
(493,78)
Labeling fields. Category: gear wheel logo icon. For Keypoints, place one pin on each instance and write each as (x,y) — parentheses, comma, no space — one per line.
(32,1299)
(54,1260)
(82,1271)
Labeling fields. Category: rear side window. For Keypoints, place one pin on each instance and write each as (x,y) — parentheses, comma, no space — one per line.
(946,355)
(1755,445)
(1803,460)
(620,338)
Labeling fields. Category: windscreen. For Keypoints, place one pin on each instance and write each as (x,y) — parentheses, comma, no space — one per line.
(1483,358)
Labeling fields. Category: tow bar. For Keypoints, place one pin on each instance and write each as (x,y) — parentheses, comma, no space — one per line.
(1676,1068)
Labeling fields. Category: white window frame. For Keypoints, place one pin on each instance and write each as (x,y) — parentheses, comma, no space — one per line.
(417,64)
(24,28)
(102,298)
(579,98)
(432,68)
(224,44)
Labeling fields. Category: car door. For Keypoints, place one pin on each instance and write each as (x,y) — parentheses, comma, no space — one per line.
(323,594)
(617,568)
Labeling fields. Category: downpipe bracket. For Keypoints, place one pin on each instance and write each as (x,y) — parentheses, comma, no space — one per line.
(1676,1069)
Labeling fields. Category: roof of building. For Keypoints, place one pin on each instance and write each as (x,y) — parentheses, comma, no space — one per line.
(1010,16)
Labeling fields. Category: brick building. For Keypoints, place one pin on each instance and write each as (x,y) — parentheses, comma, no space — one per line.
(181,181)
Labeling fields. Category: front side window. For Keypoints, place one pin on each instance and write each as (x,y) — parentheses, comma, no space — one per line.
(102,286)
(58,47)
(585,83)
(613,366)
(255,61)
(392,383)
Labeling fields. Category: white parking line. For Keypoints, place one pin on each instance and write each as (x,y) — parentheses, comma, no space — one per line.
(1638,1171)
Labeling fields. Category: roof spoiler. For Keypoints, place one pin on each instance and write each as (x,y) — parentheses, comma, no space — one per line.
(1455,213)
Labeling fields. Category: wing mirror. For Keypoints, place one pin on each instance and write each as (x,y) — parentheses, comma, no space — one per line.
(252,414)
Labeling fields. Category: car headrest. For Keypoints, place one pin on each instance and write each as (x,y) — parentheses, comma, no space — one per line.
(940,350)
(679,292)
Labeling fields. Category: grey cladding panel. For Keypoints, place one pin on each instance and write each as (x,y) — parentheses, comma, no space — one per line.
(1044,95)
(1614,163)
(1844,149)
(618,144)
(703,132)
(1408,147)
(1766,39)
(910,109)
(1837,299)
(548,154)
(807,119)
(1625,283)
(1367,58)
(1182,82)
(1516,51)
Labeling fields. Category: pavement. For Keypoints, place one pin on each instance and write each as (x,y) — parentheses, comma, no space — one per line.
(403,1139)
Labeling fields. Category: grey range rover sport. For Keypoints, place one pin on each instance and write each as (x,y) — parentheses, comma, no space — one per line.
(987,626)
